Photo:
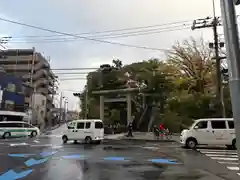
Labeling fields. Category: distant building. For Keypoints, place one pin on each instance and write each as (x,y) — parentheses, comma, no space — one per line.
(39,102)
(12,96)
(34,70)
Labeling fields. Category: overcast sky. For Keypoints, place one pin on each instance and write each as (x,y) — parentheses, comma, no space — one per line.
(79,16)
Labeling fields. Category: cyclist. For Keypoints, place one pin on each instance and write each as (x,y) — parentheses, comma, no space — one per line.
(162,129)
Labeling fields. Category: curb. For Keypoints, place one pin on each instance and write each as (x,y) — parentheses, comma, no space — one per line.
(148,140)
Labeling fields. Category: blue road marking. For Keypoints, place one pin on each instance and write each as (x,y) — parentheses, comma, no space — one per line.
(115,159)
(12,175)
(45,154)
(74,156)
(20,155)
(32,162)
(163,161)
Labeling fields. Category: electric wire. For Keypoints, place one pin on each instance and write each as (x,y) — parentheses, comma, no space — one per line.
(82,37)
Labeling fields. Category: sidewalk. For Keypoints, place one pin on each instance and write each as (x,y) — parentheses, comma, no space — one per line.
(148,136)
(51,129)
(114,136)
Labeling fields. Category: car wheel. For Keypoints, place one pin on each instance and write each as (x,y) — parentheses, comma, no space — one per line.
(33,134)
(6,135)
(98,142)
(88,140)
(64,139)
(234,144)
(191,143)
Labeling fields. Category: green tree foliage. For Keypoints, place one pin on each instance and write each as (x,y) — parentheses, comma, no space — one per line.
(183,86)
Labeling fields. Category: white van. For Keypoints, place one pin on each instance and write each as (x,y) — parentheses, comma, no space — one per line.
(216,131)
(17,129)
(89,130)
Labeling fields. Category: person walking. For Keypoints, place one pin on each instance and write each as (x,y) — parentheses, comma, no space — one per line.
(155,132)
(130,129)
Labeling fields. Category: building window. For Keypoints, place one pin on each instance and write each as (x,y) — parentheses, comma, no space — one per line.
(11,87)
(9,105)
(43,102)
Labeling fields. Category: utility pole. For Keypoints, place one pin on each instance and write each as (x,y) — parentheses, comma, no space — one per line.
(60,107)
(214,23)
(86,103)
(53,95)
(233,55)
(65,110)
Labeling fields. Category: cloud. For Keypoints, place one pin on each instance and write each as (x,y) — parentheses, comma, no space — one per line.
(90,16)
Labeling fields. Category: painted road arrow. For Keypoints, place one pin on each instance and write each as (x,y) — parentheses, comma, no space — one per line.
(20,155)
(32,162)
(12,175)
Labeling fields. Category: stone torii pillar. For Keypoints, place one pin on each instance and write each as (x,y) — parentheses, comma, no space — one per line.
(129,108)
(102,107)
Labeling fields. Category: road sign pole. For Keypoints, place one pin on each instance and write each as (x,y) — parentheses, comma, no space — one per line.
(233,57)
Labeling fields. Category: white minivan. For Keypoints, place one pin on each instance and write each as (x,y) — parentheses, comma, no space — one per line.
(215,131)
(17,129)
(88,130)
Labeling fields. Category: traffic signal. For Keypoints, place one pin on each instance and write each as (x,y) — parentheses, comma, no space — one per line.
(77,94)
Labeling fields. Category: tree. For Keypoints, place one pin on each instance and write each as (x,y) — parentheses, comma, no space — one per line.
(182,86)
(194,64)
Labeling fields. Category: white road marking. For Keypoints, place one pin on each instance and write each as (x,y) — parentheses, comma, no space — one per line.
(221,155)
(151,148)
(228,157)
(41,145)
(215,150)
(225,153)
(235,168)
(224,159)
(19,144)
(56,147)
(227,162)
(36,141)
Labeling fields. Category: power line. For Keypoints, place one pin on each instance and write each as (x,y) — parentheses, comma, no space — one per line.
(55,40)
(82,37)
(62,69)
(65,73)
(70,79)
(107,31)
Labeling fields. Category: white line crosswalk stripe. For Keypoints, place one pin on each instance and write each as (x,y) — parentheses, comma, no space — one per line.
(229,158)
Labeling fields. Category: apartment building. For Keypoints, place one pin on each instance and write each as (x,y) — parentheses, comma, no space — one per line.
(12,96)
(34,70)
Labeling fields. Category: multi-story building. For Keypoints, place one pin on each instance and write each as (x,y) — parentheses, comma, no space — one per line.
(34,70)
(12,96)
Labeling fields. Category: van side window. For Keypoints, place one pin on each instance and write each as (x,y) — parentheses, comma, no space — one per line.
(98,125)
(71,125)
(88,125)
(80,125)
(202,125)
(218,124)
(27,125)
(231,124)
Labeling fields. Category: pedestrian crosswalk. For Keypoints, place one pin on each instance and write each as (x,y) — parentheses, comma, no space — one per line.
(228,158)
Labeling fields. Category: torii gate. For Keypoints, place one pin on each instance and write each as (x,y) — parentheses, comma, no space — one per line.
(128,98)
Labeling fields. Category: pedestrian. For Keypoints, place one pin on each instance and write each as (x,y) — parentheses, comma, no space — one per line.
(155,132)
(130,128)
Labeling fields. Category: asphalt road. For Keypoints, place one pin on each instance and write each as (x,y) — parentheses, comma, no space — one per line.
(46,158)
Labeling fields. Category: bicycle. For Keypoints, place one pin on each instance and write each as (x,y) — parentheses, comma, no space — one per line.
(168,135)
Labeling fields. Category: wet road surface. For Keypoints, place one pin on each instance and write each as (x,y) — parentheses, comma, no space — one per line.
(46,158)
